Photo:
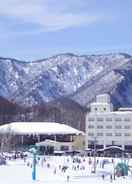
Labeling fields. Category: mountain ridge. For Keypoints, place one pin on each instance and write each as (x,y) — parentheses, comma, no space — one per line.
(55,77)
(65,77)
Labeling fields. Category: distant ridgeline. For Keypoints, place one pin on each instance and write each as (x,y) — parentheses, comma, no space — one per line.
(60,88)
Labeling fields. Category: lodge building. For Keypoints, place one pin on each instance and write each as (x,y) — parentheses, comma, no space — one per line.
(106,127)
(30,133)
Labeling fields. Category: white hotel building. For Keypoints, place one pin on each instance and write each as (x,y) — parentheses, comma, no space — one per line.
(107,127)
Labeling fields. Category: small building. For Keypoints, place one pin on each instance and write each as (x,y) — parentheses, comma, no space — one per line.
(29,133)
(54,145)
(106,127)
(111,151)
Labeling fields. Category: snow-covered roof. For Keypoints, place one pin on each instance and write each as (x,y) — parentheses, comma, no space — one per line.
(112,113)
(49,128)
(125,109)
(48,142)
(111,147)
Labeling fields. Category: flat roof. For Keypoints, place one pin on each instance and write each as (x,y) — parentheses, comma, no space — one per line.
(47,128)
(111,113)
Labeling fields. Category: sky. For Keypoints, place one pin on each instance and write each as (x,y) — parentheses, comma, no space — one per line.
(36,29)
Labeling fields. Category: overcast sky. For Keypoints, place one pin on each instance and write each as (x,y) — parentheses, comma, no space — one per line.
(35,29)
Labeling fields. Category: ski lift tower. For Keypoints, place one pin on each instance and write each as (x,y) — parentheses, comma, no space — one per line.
(34,152)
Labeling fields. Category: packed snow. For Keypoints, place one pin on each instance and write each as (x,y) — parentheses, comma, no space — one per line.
(62,170)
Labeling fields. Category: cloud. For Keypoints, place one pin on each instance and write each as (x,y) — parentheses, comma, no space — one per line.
(50,15)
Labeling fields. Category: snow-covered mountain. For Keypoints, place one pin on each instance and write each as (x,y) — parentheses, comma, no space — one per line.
(77,77)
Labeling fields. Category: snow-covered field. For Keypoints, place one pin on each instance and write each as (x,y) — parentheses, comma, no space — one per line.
(49,171)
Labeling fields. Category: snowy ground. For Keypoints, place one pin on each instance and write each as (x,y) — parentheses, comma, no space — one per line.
(17,172)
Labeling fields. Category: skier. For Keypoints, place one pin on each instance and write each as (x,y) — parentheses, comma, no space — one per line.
(68,177)
(111,178)
(103,176)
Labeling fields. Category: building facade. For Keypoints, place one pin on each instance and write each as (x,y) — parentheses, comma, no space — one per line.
(105,127)
(24,134)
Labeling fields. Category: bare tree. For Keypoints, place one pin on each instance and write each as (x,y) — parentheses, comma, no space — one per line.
(7,140)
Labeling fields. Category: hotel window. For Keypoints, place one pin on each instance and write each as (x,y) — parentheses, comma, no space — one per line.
(127,127)
(127,119)
(117,134)
(117,119)
(108,134)
(100,119)
(90,126)
(90,119)
(109,126)
(99,134)
(108,119)
(90,134)
(100,126)
(118,126)
(127,134)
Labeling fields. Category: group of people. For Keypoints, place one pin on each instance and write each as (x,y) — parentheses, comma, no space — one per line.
(73,165)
